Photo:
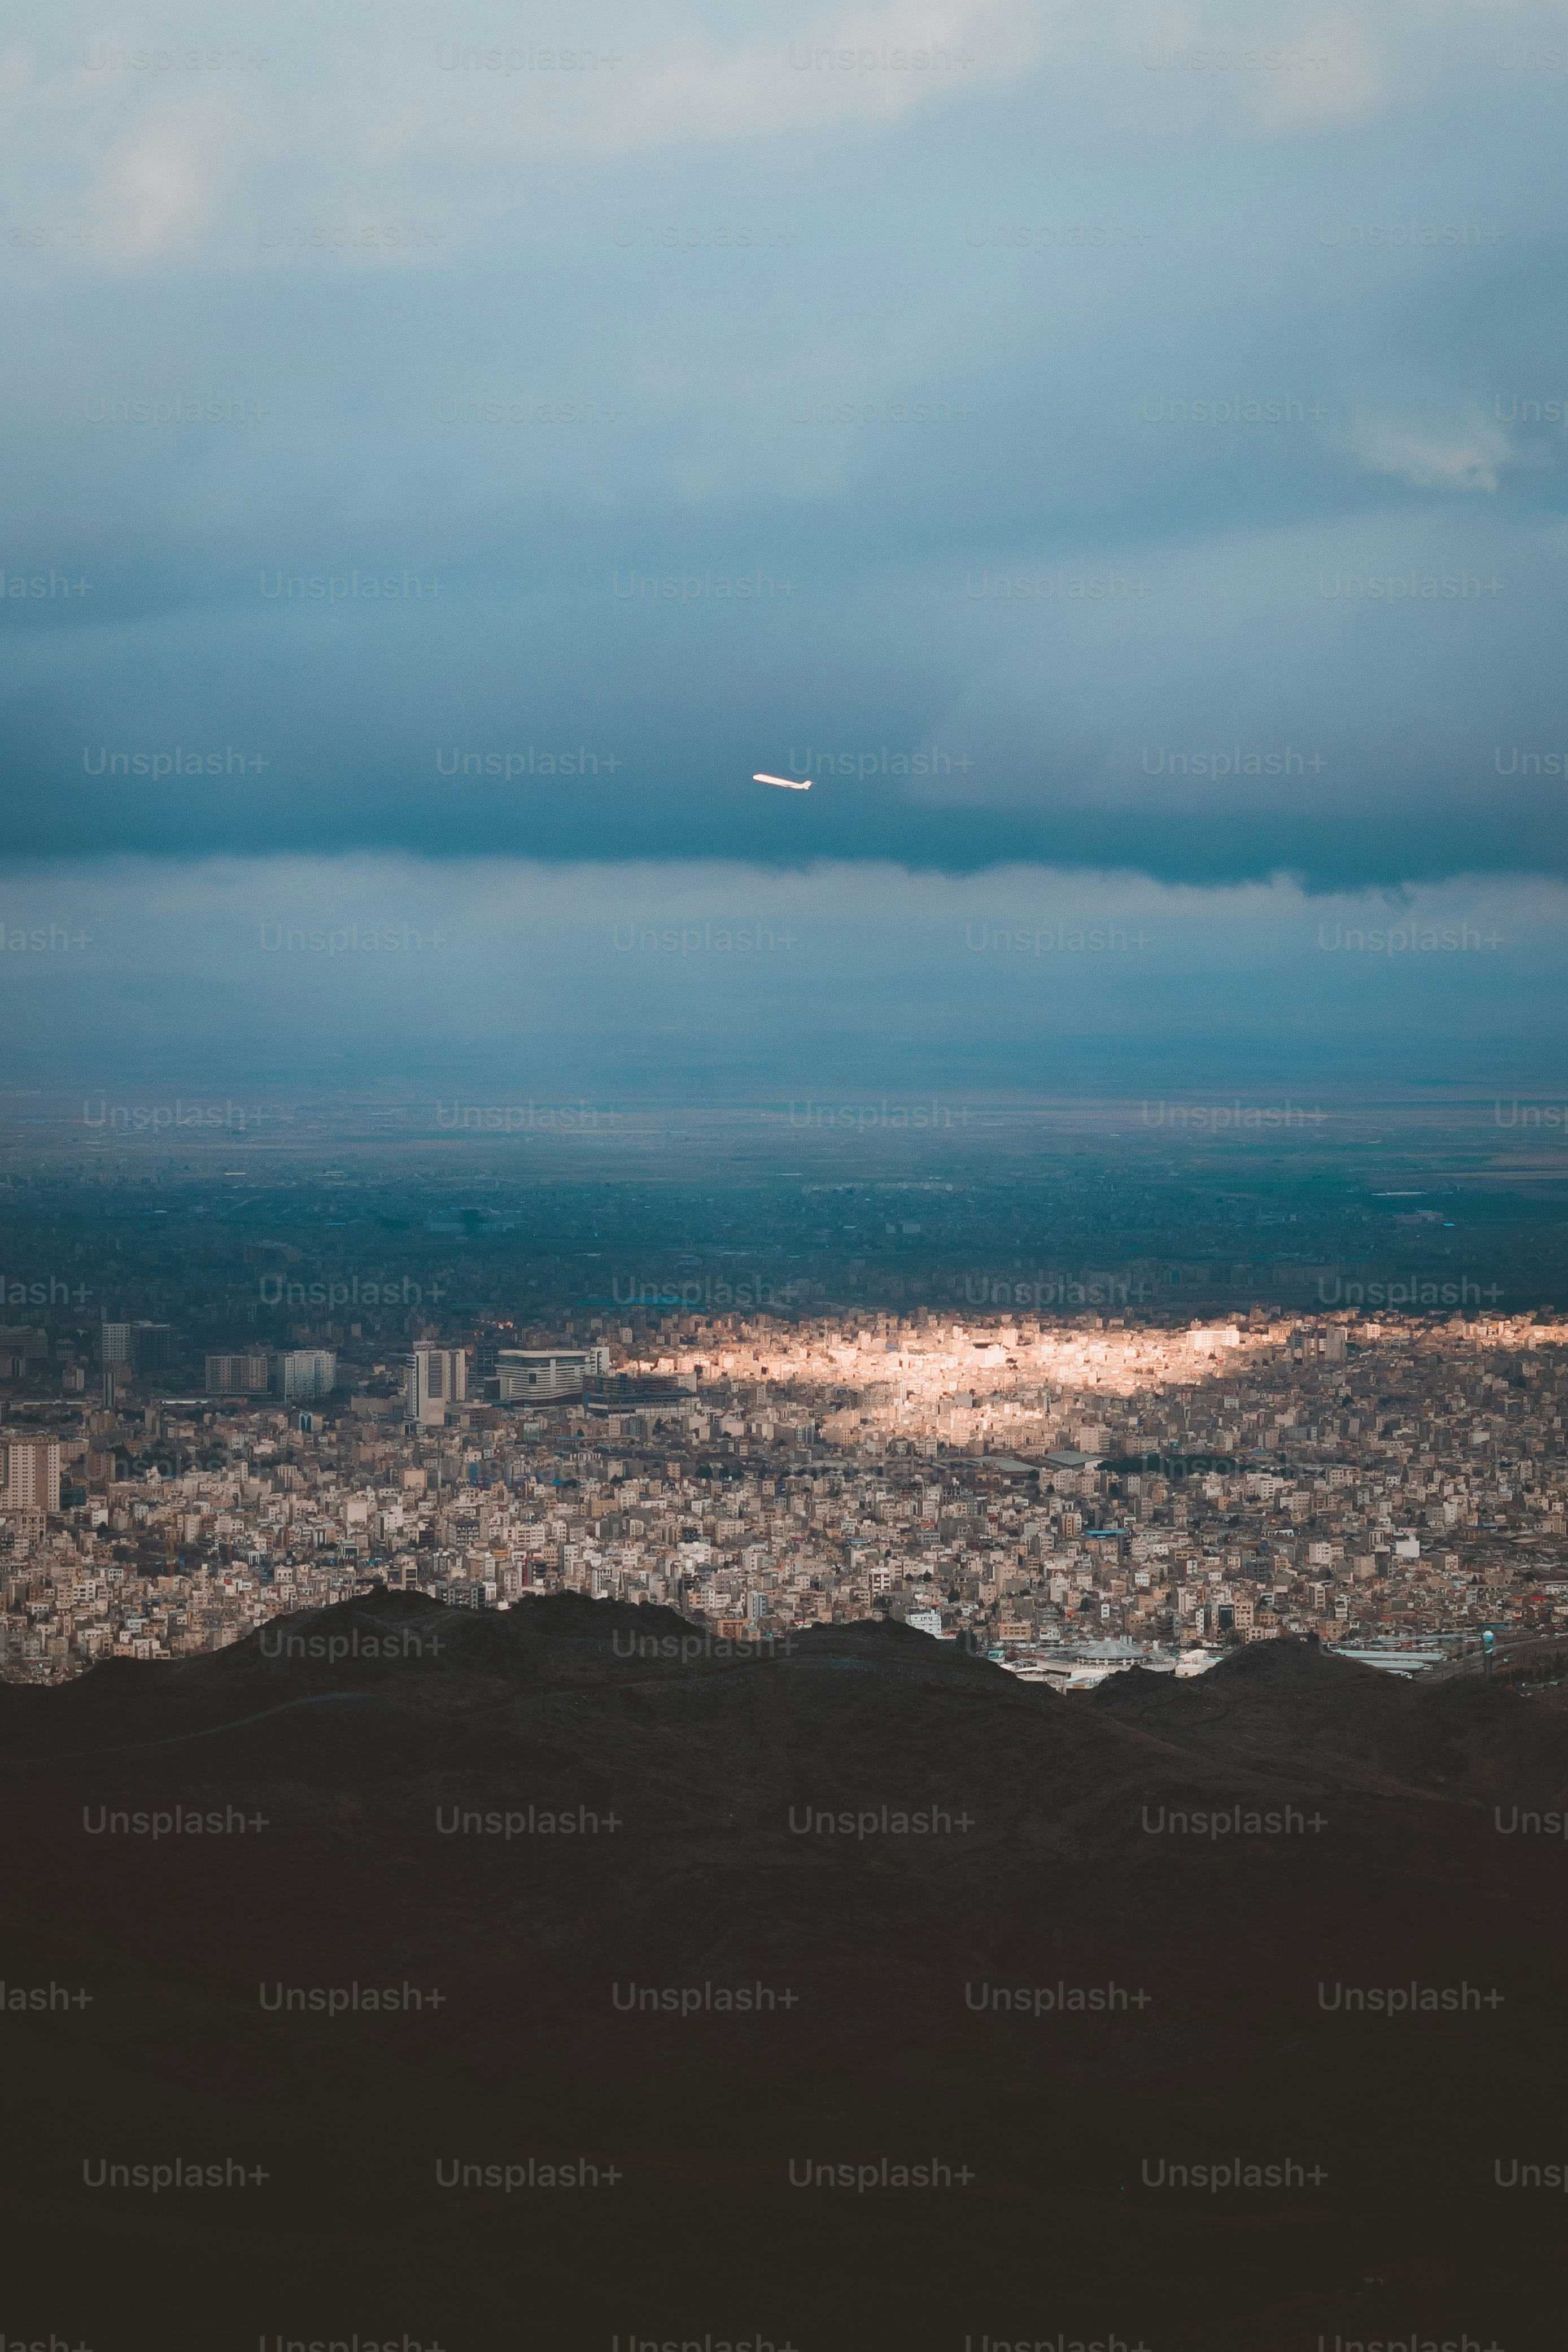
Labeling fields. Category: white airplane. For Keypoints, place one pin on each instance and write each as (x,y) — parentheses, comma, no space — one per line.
(789,782)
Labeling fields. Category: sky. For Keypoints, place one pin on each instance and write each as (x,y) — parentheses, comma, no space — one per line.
(1116,453)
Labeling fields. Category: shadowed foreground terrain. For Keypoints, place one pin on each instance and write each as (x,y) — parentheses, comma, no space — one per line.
(1162,1979)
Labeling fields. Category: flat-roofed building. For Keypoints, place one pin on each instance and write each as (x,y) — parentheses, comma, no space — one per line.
(540,1375)
(438,1381)
(302,1374)
(31,1475)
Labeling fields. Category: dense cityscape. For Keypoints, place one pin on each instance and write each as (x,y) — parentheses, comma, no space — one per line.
(784,1179)
(1065,1494)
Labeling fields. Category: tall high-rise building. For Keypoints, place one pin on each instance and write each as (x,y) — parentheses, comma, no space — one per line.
(437,1380)
(304,1373)
(32,1475)
(142,1347)
(245,1375)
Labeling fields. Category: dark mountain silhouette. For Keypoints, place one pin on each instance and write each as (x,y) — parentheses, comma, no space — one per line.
(1294,1701)
(1054,1941)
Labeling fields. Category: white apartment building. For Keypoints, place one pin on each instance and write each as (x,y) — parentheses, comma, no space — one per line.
(438,1381)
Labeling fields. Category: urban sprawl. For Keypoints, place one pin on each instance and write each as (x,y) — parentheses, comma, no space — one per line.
(1065,1495)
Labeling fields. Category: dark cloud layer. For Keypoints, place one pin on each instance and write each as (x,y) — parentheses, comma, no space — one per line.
(960,358)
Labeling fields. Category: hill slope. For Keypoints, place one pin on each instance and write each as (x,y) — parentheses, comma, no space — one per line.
(703,1919)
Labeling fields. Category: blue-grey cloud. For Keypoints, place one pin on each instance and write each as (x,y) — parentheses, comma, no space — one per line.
(1088,446)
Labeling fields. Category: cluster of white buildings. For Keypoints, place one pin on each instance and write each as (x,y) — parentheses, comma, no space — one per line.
(1061,1495)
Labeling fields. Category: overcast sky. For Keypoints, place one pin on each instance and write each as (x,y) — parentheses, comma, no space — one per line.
(812,394)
